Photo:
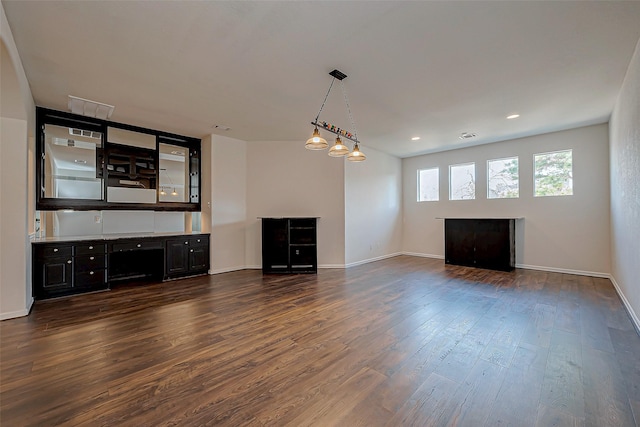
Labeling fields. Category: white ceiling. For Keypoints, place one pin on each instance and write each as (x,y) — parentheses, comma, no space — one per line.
(428,69)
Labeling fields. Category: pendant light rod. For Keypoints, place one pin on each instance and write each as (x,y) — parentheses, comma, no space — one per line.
(336,130)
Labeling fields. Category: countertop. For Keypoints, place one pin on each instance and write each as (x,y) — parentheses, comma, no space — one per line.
(113,236)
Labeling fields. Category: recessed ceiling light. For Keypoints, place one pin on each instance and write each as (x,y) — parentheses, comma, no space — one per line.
(467,135)
(415,138)
(513,116)
(83,162)
(178,153)
(221,127)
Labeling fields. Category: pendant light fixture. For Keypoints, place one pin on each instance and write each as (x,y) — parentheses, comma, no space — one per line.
(316,142)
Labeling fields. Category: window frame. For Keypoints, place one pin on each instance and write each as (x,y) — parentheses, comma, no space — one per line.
(570,150)
(517,158)
(474,180)
(437,169)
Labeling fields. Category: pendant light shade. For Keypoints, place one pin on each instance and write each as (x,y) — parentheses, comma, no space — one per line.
(356,155)
(316,142)
(338,149)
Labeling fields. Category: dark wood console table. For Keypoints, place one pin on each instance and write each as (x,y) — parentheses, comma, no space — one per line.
(480,242)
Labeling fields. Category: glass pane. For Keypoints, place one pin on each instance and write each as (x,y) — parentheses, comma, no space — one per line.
(72,163)
(502,178)
(553,174)
(174,173)
(428,185)
(462,182)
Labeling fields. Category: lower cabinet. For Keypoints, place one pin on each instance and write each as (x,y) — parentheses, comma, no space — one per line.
(68,268)
(187,256)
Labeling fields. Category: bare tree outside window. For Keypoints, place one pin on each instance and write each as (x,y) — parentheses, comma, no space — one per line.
(553,174)
(428,185)
(502,178)
(462,181)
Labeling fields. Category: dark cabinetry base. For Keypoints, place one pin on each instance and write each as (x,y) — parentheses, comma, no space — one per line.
(289,245)
(482,243)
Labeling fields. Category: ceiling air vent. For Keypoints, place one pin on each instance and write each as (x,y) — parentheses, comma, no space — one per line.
(87,133)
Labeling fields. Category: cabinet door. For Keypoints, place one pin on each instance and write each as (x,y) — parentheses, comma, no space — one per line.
(53,276)
(303,258)
(494,244)
(177,256)
(198,258)
(198,254)
(275,244)
(459,237)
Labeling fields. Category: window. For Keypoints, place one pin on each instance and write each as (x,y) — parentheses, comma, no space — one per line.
(428,185)
(502,178)
(553,174)
(462,181)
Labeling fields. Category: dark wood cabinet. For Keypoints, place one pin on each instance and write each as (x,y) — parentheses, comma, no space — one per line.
(289,245)
(187,256)
(68,268)
(483,242)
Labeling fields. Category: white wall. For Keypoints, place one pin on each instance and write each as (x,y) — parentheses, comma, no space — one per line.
(569,233)
(373,207)
(625,190)
(284,179)
(14,244)
(17,122)
(228,203)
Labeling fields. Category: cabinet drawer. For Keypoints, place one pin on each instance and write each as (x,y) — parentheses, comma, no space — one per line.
(89,263)
(137,245)
(53,250)
(90,248)
(90,279)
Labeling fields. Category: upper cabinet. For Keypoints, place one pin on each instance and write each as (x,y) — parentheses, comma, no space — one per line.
(91,164)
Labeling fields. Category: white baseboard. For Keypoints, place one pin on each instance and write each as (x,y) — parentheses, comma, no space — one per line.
(227,269)
(627,305)
(18,313)
(564,270)
(331,266)
(367,261)
(423,255)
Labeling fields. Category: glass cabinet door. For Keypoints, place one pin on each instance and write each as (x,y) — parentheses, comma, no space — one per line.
(72,163)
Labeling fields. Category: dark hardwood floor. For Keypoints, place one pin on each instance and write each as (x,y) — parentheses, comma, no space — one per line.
(401,342)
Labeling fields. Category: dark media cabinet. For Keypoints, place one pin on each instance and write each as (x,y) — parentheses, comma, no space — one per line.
(480,242)
(289,245)
(70,267)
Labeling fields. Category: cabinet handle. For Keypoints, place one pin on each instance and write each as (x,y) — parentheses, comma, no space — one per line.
(91,273)
(55,249)
(138,245)
(91,258)
(191,250)
(90,247)
(198,240)
(186,243)
(69,262)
